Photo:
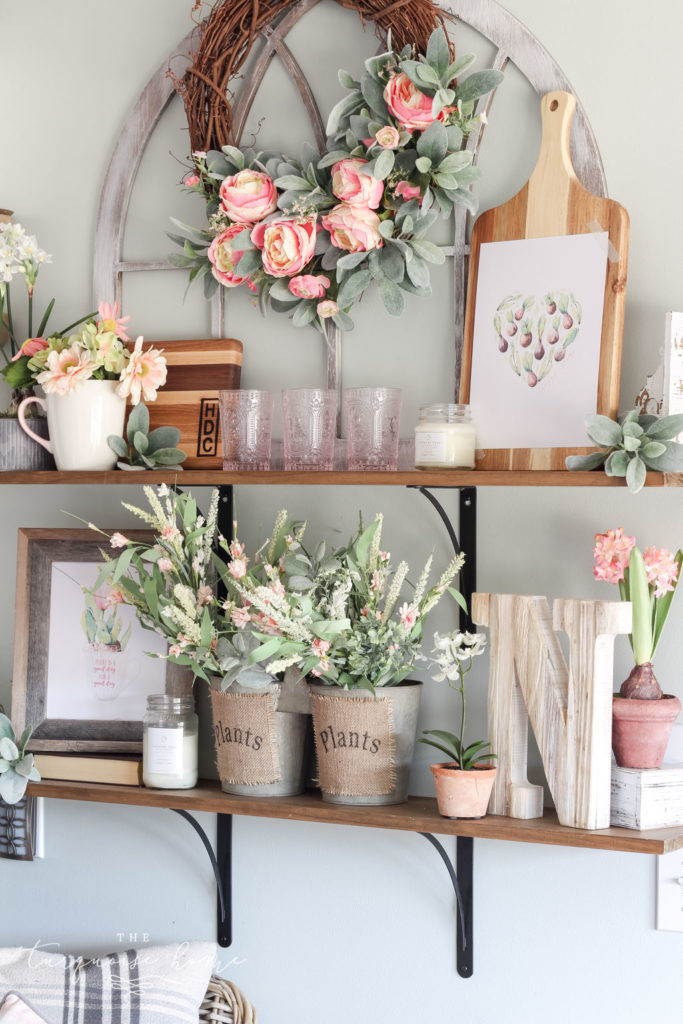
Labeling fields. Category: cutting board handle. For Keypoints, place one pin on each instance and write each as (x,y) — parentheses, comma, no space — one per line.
(554,159)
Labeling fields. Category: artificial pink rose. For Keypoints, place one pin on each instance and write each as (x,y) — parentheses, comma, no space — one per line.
(309,286)
(224,258)
(248,196)
(411,108)
(287,245)
(349,185)
(387,137)
(327,308)
(354,228)
(407,191)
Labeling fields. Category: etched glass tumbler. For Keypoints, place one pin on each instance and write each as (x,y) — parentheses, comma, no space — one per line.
(246,429)
(309,418)
(372,424)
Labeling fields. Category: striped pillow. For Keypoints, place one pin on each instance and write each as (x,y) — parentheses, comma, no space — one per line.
(152,985)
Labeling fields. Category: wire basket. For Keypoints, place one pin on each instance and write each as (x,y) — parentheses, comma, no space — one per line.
(225,1004)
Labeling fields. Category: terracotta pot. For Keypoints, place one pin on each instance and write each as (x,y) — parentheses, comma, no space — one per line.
(641,730)
(462,794)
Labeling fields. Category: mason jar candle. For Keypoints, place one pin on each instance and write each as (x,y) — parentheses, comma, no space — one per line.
(170,743)
(445,437)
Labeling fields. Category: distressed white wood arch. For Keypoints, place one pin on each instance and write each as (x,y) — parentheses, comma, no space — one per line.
(514,43)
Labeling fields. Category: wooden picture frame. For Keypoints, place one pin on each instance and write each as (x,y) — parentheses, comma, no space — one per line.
(40,680)
(553,204)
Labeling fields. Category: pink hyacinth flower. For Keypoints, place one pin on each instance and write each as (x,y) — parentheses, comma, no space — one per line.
(612,553)
(661,569)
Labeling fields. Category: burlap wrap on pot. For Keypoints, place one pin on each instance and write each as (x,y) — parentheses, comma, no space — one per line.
(354,745)
(245,737)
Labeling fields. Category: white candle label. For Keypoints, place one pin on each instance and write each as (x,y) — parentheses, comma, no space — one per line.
(164,753)
(430,446)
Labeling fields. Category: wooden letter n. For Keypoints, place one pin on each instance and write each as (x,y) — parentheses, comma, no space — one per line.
(570,707)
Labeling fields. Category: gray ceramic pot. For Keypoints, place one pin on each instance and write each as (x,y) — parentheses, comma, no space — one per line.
(405,706)
(18,451)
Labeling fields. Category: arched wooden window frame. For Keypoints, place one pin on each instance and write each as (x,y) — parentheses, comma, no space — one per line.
(513,42)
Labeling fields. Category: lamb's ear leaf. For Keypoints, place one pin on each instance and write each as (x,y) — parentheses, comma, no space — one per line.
(585,461)
(603,431)
(138,420)
(666,428)
(118,445)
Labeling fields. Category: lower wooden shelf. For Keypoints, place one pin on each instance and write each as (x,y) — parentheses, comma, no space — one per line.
(418,814)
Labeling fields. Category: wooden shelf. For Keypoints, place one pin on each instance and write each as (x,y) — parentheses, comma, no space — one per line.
(419,814)
(400,478)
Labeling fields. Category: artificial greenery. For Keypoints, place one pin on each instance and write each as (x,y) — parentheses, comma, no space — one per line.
(16,766)
(142,449)
(631,445)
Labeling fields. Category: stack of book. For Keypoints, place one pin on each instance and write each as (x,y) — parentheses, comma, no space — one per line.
(122,770)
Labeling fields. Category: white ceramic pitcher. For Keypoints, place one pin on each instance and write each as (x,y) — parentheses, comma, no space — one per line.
(79,424)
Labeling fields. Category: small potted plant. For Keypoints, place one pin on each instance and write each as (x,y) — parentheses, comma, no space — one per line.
(16,766)
(464,782)
(642,715)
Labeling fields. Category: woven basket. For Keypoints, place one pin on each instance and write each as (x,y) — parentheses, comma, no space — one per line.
(225,1003)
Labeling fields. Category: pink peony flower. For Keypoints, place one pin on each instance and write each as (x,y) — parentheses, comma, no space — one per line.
(30,347)
(355,188)
(224,258)
(191,180)
(354,228)
(411,108)
(327,308)
(111,321)
(612,552)
(407,191)
(65,371)
(407,615)
(165,564)
(117,540)
(144,374)
(387,137)
(661,569)
(204,595)
(287,245)
(238,568)
(309,286)
(248,196)
(240,617)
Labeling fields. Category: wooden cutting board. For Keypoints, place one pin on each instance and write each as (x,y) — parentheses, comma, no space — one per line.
(197,371)
(553,203)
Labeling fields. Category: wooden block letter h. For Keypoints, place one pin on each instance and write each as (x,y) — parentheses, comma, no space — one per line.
(569,707)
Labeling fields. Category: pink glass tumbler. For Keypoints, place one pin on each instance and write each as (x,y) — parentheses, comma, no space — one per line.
(309,418)
(246,429)
(372,425)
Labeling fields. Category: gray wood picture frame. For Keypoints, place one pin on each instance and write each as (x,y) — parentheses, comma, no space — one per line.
(37,549)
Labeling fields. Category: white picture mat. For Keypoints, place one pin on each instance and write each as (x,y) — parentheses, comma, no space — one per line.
(506,411)
(70,693)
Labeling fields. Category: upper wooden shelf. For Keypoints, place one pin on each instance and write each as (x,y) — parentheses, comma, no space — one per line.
(400,478)
(419,814)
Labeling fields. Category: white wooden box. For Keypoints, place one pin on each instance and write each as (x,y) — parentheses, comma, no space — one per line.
(647,798)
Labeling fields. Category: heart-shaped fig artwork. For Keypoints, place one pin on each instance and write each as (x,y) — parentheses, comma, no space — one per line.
(535,335)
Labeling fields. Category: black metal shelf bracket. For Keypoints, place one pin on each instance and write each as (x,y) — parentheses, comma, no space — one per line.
(221,864)
(461,878)
(467,543)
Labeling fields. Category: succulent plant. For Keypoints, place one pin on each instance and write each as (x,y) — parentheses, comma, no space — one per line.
(16,766)
(142,449)
(632,445)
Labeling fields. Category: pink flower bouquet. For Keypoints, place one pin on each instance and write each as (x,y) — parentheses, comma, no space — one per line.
(358,213)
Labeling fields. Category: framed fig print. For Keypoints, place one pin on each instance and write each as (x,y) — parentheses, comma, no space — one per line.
(81,672)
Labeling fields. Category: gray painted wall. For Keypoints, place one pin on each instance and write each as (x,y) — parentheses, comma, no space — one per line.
(333,923)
